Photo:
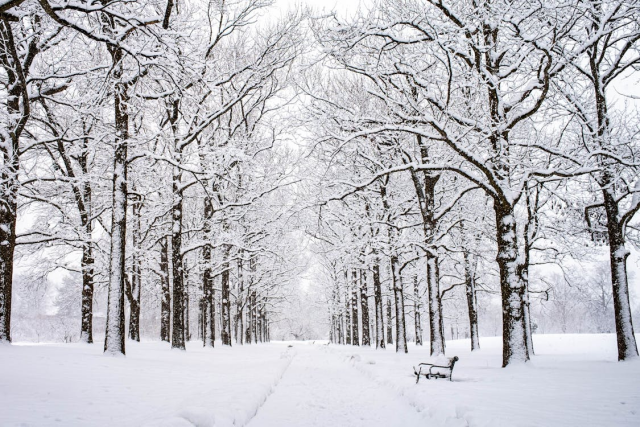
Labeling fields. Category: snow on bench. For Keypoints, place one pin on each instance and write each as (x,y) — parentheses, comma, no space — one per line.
(440,369)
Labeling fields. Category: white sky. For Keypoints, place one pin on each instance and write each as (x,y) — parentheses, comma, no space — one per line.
(340,6)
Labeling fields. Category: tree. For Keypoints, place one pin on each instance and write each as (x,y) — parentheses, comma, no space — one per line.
(615,32)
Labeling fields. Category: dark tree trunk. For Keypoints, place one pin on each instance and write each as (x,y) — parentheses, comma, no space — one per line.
(347,309)
(133,287)
(398,294)
(165,302)
(618,254)
(225,333)
(389,322)
(470,263)
(364,304)
(417,308)
(260,323)
(208,308)
(354,308)
(86,327)
(254,322)
(187,329)
(436,322)
(17,114)
(377,292)
(511,286)
(250,292)
(239,323)
(335,319)
(425,187)
(178,335)
(114,336)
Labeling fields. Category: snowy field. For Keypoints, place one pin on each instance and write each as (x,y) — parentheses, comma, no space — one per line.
(573,381)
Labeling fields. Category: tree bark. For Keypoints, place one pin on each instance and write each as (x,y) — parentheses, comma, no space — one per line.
(254,323)
(347,309)
(377,292)
(398,293)
(417,310)
(208,307)
(389,322)
(18,112)
(239,324)
(133,292)
(114,336)
(618,254)
(178,335)
(470,263)
(512,287)
(165,303)
(354,308)
(425,187)
(86,327)
(178,332)
(225,333)
(364,309)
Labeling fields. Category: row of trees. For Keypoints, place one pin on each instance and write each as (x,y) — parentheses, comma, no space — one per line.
(140,150)
(468,143)
(451,148)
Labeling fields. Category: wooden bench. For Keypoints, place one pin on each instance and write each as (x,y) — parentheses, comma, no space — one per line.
(441,371)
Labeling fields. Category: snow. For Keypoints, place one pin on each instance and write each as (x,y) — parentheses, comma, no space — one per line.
(573,381)
(75,385)
(320,389)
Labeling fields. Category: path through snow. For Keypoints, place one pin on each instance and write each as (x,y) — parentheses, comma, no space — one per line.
(319,389)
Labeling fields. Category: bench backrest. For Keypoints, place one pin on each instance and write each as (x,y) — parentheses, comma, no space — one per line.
(452,361)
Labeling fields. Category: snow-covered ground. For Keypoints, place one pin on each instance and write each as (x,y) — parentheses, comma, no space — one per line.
(573,381)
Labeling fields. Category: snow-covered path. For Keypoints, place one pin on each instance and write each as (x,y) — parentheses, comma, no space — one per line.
(319,389)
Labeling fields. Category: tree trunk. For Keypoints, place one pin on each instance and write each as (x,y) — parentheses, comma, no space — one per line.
(354,308)
(240,303)
(187,330)
(514,347)
(436,322)
(86,327)
(377,292)
(178,336)
(250,291)
(17,115)
(389,322)
(225,333)
(208,308)
(401,334)
(618,254)
(114,336)
(133,293)
(347,309)
(165,303)
(364,304)
(425,188)
(417,309)
(260,321)
(254,322)
(470,263)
